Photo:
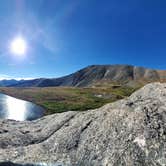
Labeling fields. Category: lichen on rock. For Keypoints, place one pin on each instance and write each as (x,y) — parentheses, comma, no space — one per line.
(129,132)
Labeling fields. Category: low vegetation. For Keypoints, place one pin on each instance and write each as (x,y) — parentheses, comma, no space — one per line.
(61,99)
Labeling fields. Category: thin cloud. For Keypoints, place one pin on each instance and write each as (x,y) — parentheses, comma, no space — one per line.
(4,77)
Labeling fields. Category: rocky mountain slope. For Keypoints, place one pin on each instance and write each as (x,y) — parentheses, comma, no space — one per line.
(124,74)
(8,82)
(129,132)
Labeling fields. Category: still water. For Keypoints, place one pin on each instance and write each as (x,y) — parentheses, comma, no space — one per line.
(12,108)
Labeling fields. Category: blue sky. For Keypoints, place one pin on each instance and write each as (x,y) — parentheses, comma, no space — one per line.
(63,36)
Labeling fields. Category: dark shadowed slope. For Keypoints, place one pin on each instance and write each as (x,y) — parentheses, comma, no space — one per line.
(124,74)
(8,82)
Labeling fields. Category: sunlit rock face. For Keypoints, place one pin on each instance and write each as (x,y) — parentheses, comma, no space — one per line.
(129,132)
(32,164)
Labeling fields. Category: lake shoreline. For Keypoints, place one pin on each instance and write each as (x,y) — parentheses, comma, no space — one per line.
(18,109)
(63,99)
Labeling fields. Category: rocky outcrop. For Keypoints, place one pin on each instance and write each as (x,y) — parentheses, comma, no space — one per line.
(129,132)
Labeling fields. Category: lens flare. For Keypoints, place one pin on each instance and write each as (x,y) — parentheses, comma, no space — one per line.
(18,46)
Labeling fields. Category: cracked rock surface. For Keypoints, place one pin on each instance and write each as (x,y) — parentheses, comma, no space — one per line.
(129,132)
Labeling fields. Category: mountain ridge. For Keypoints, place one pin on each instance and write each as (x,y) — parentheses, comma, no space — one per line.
(88,76)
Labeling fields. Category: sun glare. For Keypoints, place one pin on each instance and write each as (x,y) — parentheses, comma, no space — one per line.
(16,109)
(18,46)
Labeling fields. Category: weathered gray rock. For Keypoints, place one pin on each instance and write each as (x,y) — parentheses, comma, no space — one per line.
(130,132)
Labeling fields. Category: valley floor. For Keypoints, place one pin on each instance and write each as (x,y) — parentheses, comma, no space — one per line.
(62,99)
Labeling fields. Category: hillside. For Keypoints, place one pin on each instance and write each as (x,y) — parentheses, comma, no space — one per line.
(129,132)
(8,82)
(92,75)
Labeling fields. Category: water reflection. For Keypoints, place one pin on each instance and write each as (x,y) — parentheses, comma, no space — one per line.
(16,109)
(12,108)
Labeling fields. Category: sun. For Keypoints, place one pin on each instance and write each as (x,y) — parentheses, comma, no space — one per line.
(18,46)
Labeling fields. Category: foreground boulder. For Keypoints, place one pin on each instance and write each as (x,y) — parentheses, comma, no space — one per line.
(129,132)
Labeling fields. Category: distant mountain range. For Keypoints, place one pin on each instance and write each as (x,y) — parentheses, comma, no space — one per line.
(10,82)
(91,75)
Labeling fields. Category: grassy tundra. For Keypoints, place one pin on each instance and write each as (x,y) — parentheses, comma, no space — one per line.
(61,99)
